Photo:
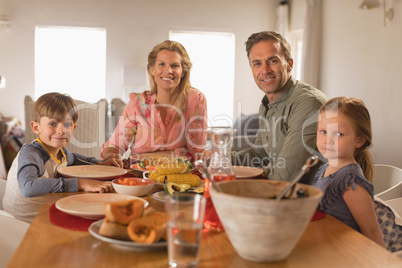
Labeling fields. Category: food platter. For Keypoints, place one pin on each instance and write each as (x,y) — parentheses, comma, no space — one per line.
(94,231)
(247,172)
(96,172)
(90,206)
(149,162)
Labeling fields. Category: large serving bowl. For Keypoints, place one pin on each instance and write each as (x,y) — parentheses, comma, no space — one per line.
(260,228)
(133,186)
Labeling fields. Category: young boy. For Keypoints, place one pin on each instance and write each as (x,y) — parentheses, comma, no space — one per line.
(33,173)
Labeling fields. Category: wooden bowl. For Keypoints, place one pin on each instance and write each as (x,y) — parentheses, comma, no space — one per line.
(260,228)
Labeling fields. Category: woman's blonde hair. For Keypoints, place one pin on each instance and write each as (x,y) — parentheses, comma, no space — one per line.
(180,93)
(355,109)
(55,105)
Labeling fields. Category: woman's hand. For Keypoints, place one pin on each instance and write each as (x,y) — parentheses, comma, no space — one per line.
(89,185)
(115,161)
(112,157)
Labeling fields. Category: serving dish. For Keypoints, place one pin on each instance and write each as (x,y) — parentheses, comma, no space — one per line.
(97,172)
(90,206)
(94,231)
(152,160)
(247,172)
(143,186)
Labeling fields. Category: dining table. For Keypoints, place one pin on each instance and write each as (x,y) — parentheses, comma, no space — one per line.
(326,242)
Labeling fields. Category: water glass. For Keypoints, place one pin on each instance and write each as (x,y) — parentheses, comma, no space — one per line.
(184,227)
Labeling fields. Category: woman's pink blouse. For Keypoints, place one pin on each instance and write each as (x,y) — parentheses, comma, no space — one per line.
(187,133)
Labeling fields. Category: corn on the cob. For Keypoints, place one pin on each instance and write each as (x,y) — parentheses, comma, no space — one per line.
(167,169)
(154,160)
(153,175)
(191,179)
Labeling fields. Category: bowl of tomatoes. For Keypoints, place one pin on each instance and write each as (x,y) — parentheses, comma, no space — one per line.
(133,186)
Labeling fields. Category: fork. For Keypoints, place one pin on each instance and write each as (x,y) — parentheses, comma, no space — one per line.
(83,161)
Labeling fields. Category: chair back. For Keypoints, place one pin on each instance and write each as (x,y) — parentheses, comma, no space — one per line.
(116,108)
(387,181)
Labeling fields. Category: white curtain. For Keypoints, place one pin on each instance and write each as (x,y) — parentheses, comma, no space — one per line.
(282,15)
(310,71)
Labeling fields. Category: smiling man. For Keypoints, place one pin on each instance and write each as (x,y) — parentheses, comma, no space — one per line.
(284,136)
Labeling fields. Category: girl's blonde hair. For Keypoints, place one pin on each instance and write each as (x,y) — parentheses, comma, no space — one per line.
(355,109)
(55,105)
(180,93)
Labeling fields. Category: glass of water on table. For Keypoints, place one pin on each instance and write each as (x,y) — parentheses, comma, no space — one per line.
(184,227)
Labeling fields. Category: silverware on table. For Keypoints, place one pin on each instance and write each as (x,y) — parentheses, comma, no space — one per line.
(86,162)
(311,161)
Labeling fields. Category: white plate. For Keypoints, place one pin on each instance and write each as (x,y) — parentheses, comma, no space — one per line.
(94,231)
(247,172)
(92,172)
(90,206)
(159,196)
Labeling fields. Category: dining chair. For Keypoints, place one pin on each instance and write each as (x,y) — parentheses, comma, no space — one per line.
(387,182)
(12,232)
(116,108)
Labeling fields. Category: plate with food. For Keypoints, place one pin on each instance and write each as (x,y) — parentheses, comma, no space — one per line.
(179,173)
(97,172)
(91,206)
(151,162)
(247,172)
(126,244)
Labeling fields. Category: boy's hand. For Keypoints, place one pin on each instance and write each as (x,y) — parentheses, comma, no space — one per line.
(89,185)
(117,162)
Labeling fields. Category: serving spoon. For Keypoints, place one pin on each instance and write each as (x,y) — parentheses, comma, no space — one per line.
(311,161)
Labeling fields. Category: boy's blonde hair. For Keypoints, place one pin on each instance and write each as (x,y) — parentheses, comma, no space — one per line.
(55,105)
(359,115)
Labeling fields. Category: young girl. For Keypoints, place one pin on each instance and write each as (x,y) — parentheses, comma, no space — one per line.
(343,137)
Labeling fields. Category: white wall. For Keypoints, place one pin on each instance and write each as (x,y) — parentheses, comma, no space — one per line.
(361,58)
(133,28)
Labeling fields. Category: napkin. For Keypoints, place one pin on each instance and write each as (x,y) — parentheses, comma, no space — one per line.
(64,220)
(317,215)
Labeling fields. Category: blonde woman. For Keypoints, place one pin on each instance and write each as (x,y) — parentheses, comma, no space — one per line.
(170,117)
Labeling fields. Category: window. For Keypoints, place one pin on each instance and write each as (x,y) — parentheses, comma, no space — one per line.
(213,56)
(296,44)
(70,60)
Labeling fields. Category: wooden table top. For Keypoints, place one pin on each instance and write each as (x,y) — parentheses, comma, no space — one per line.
(326,242)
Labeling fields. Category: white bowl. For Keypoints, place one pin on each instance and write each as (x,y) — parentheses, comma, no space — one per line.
(141,189)
(262,229)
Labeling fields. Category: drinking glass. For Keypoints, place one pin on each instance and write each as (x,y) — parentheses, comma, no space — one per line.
(185,213)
